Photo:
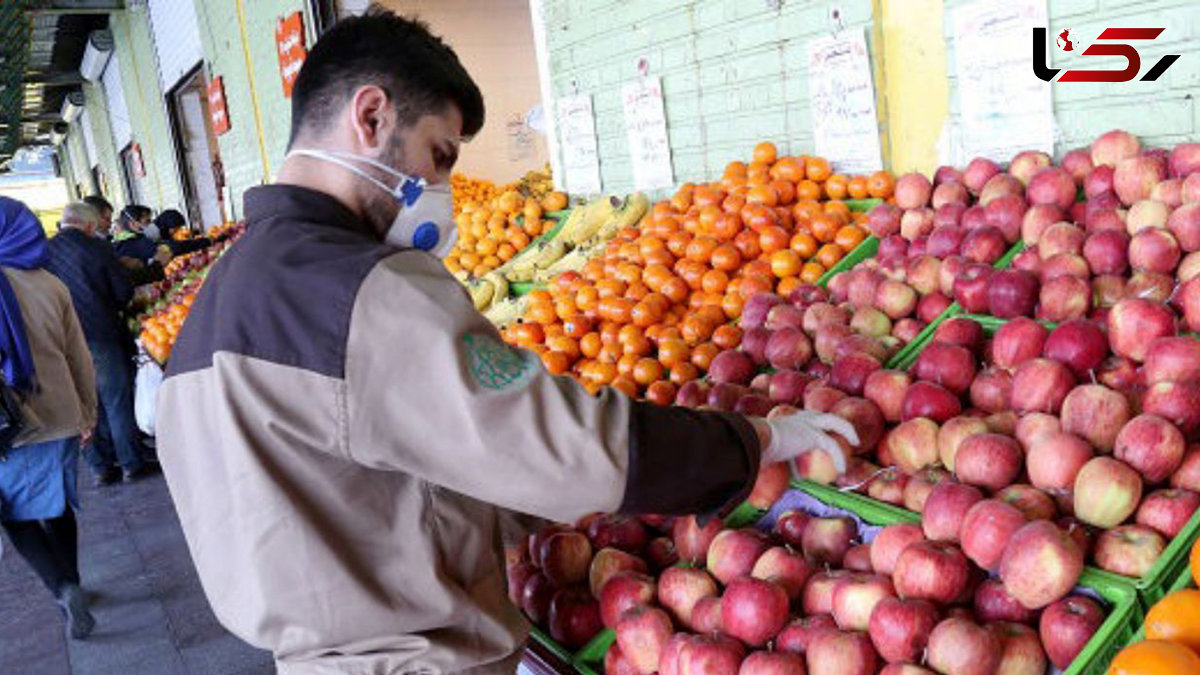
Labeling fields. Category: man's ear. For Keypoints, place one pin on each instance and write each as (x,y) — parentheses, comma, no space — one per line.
(371,118)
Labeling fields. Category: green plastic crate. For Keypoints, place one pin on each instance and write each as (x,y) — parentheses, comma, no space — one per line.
(867,249)
(904,358)
(862,205)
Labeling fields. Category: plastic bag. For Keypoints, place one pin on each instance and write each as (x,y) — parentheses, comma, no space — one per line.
(145,394)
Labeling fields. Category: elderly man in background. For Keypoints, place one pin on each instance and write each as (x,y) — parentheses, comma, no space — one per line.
(105,209)
(100,290)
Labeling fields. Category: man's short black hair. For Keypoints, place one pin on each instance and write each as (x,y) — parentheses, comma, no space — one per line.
(419,72)
(97,202)
(134,212)
(168,221)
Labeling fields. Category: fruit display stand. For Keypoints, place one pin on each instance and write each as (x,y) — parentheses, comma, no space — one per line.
(1122,616)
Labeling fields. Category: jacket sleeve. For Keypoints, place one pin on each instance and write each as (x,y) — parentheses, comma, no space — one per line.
(431,390)
(79,360)
(118,278)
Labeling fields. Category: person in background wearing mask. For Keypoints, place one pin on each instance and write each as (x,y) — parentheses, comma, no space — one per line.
(345,437)
(135,243)
(105,210)
(100,290)
(168,222)
(46,361)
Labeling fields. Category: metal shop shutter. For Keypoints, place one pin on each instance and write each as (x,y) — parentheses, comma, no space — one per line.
(176,39)
(118,112)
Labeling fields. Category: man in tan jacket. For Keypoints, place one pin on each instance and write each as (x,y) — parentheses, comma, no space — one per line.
(343,434)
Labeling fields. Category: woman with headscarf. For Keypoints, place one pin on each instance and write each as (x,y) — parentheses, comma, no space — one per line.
(45,360)
(167,223)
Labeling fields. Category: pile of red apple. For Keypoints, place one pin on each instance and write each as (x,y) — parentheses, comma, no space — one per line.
(817,595)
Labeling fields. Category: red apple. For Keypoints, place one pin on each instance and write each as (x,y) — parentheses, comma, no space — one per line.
(962,647)
(680,588)
(947,364)
(1029,500)
(905,669)
(1018,341)
(1108,290)
(945,241)
(914,443)
(1107,252)
(711,655)
(1169,192)
(931,570)
(574,617)
(1129,550)
(1078,163)
(1067,626)
(691,540)
(826,540)
(821,398)
(992,390)
(998,186)
(620,532)
(1151,286)
(790,527)
(1079,344)
(1154,250)
(642,635)
(850,372)
(615,662)
(1041,385)
(1146,214)
(1168,511)
(772,663)
(987,244)
(1035,425)
(1026,163)
(733,553)
(706,615)
(770,485)
(1135,177)
(990,461)
(970,287)
(566,558)
(1095,413)
(1064,265)
(899,628)
(1184,223)
(1112,147)
(1021,650)
(1107,491)
(661,553)
(920,484)
(913,190)
(993,603)
(1152,445)
(890,542)
(799,633)
(945,509)
(1055,459)
(1176,402)
(753,610)
(608,563)
(1188,298)
(1064,298)
(927,399)
(978,172)
(1184,159)
(907,330)
(888,486)
(915,225)
(785,568)
(818,594)
(952,434)
(1040,564)
(1172,359)
(1061,237)
(986,529)
(1188,474)
(835,652)
(855,598)
(886,389)
(1037,219)
(858,559)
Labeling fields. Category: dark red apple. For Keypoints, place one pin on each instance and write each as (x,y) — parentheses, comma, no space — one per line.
(993,603)
(1052,185)
(1018,341)
(1078,344)
(1041,385)
(945,509)
(963,647)
(1107,252)
(971,287)
(986,529)
(1012,293)
(1067,626)
(1040,564)
(1152,445)
(990,461)
(884,220)
(899,628)
(992,390)
(799,633)
(575,617)
(927,399)
(826,540)
(753,610)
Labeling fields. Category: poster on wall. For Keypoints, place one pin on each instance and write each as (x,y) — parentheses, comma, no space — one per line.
(218,113)
(139,165)
(289,43)
(646,125)
(842,96)
(991,45)
(577,130)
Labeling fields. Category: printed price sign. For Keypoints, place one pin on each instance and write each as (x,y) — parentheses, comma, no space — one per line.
(842,95)
(646,124)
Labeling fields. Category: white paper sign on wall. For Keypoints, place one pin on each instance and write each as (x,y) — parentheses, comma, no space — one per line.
(842,99)
(1005,108)
(580,158)
(646,124)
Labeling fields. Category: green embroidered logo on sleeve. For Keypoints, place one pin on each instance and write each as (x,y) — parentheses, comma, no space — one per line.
(494,364)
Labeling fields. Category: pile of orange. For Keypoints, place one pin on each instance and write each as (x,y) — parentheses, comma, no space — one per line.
(467,190)
(651,312)
(1172,643)
(493,230)
(160,329)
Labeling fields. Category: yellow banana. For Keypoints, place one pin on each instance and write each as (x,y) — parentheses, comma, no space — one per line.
(499,286)
(599,212)
(548,253)
(628,215)
(481,292)
(573,220)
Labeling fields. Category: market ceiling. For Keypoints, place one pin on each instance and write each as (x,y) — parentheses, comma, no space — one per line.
(41,45)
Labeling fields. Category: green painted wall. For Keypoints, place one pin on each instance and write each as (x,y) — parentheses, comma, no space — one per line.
(733,73)
(147,107)
(1162,113)
(106,149)
(241,152)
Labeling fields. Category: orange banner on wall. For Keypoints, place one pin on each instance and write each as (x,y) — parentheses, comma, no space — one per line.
(289,42)
(218,112)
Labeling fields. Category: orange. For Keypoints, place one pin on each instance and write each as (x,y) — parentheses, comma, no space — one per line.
(836,186)
(804,245)
(765,153)
(701,249)
(1154,657)
(752,286)
(727,336)
(787,285)
(1176,618)
(773,239)
(727,227)
(785,190)
(703,354)
(732,304)
(829,255)
(849,237)
(647,371)
(735,168)
(758,217)
(824,226)
(807,190)
(811,272)
(672,351)
(817,169)
(590,345)
(790,169)
(857,188)
(881,184)
(556,362)
(837,207)
(786,263)
(714,281)
(726,257)
(683,372)
(661,393)
(554,201)
(766,195)
(626,385)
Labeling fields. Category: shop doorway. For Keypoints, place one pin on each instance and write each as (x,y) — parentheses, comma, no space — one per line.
(133,174)
(196,151)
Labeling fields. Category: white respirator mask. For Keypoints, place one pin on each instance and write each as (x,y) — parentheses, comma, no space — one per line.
(151,232)
(426,217)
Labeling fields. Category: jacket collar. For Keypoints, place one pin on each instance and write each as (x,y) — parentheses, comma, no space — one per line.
(293,202)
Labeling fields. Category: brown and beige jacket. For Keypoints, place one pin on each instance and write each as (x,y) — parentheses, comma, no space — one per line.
(343,435)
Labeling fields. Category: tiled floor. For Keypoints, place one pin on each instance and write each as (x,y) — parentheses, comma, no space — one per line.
(151,614)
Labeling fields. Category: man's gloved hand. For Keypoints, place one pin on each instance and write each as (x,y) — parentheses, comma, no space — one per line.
(805,431)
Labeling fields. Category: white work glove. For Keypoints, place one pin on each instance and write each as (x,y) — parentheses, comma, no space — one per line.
(806,431)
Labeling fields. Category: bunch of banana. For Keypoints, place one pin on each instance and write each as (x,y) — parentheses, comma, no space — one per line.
(505,311)
(488,290)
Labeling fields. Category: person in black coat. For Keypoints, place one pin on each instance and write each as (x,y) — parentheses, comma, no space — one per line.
(167,223)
